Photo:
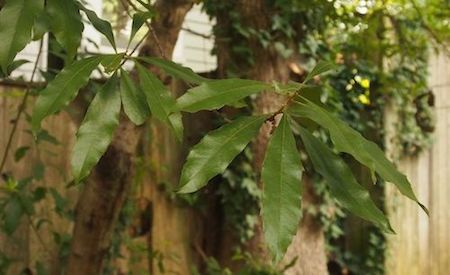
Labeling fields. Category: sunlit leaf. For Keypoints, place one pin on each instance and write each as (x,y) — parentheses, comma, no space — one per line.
(320,68)
(96,131)
(133,100)
(63,89)
(160,101)
(349,141)
(342,183)
(218,93)
(216,150)
(281,176)
(16,22)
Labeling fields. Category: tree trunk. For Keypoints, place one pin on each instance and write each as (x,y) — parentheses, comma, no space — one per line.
(107,188)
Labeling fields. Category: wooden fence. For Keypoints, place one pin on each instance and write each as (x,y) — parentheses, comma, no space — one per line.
(422,244)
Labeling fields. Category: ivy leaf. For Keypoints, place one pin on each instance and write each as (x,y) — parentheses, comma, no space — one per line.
(13,212)
(139,19)
(66,24)
(16,22)
(100,25)
(133,100)
(218,93)
(63,89)
(96,131)
(349,141)
(281,175)
(342,183)
(320,68)
(215,151)
(160,101)
(175,70)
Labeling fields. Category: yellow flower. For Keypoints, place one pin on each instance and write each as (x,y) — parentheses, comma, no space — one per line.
(365,83)
(364,99)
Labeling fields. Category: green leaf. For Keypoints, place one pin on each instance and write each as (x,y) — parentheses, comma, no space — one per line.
(133,100)
(100,25)
(320,68)
(160,101)
(63,89)
(66,24)
(139,19)
(20,153)
(218,93)
(281,175)
(96,131)
(175,70)
(16,22)
(13,212)
(349,141)
(41,25)
(342,183)
(112,62)
(215,151)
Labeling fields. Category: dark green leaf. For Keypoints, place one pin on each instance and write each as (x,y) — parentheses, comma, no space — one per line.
(139,19)
(100,25)
(215,151)
(281,176)
(350,141)
(175,70)
(320,68)
(16,22)
(21,152)
(133,100)
(42,25)
(342,183)
(112,62)
(63,89)
(96,131)
(66,24)
(218,93)
(160,101)
(13,212)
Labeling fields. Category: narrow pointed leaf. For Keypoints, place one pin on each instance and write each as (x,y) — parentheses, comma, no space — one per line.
(63,89)
(175,70)
(133,100)
(160,101)
(218,93)
(16,22)
(96,131)
(342,183)
(215,151)
(103,26)
(66,24)
(320,68)
(139,19)
(349,141)
(281,176)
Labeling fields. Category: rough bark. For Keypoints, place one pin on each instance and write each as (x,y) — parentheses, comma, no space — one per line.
(107,187)
(309,243)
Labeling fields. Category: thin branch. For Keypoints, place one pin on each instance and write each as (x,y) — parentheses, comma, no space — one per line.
(206,36)
(22,107)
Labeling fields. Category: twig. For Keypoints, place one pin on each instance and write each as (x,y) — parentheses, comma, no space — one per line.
(22,107)
(206,36)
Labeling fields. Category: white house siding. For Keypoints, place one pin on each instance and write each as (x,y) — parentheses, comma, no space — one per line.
(191,50)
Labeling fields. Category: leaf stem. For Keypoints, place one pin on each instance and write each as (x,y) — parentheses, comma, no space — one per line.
(22,107)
